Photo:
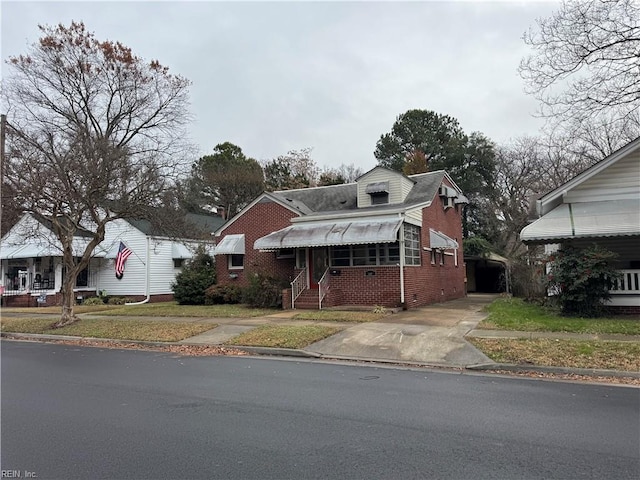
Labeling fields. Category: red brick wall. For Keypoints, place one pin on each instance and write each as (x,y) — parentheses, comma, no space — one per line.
(437,283)
(260,220)
(354,287)
(424,284)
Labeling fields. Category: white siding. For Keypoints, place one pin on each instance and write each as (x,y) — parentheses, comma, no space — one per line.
(133,282)
(415,215)
(399,186)
(619,181)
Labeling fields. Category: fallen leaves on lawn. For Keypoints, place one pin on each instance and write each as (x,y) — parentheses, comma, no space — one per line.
(187,350)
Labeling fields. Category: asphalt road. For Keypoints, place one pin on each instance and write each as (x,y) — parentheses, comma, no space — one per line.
(74,412)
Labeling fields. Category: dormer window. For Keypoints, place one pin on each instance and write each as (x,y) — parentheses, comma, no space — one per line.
(379,193)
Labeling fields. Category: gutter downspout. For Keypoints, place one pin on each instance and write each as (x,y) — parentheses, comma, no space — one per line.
(148,269)
(402,302)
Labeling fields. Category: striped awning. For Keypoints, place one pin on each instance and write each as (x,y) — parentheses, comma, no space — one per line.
(611,218)
(324,234)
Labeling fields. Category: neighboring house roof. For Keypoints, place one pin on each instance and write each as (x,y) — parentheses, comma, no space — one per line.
(552,199)
(197,224)
(48,224)
(602,201)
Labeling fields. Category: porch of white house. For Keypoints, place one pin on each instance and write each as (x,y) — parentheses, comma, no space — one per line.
(36,281)
(626,291)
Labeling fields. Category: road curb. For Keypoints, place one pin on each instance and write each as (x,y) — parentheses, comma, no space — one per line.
(286,352)
(591,372)
(43,337)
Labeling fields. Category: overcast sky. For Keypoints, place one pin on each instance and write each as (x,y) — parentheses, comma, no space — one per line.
(276,76)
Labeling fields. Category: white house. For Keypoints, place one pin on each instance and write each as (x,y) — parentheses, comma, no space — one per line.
(600,205)
(32,271)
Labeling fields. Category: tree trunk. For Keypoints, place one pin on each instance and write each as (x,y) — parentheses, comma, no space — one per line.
(67,317)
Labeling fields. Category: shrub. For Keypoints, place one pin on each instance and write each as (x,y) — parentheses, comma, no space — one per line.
(118,300)
(221,294)
(195,278)
(581,279)
(264,291)
(93,301)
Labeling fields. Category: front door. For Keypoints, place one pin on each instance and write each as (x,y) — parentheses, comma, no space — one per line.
(318,265)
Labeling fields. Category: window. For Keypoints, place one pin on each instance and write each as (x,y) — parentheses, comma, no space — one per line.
(364,255)
(301,258)
(236,262)
(411,244)
(379,198)
(177,262)
(340,256)
(82,279)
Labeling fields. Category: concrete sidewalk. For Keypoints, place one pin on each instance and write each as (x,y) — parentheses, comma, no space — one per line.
(431,335)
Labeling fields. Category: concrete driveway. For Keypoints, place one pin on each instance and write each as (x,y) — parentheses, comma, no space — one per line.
(432,334)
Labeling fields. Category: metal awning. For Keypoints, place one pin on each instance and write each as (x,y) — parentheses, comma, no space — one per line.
(611,218)
(331,233)
(377,187)
(180,251)
(441,241)
(231,245)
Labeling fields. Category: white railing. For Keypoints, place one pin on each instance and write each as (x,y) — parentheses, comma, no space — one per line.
(628,283)
(323,287)
(298,286)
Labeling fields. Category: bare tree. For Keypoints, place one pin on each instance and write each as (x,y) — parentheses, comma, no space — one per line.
(96,134)
(585,59)
(342,174)
(526,169)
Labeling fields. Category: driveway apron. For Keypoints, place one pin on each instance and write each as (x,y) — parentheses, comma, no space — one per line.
(432,335)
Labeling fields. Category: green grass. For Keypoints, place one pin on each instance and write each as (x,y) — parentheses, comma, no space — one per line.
(109,328)
(58,310)
(160,309)
(566,353)
(515,314)
(283,336)
(339,316)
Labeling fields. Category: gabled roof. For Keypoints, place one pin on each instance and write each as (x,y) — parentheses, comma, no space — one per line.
(552,199)
(336,199)
(341,201)
(48,224)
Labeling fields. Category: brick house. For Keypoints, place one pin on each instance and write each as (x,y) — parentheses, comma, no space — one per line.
(387,239)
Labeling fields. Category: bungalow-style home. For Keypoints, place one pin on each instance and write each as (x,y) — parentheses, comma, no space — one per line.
(32,270)
(600,206)
(386,240)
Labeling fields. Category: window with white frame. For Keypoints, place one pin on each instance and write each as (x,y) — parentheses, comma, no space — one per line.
(411,244)
(236,262)
(365,255)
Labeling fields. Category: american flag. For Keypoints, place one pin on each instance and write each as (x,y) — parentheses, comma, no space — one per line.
(123,253)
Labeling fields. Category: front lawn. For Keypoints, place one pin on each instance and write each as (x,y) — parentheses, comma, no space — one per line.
(109,328)
(283,336)
(562,353)
(516,314)
(160,309)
